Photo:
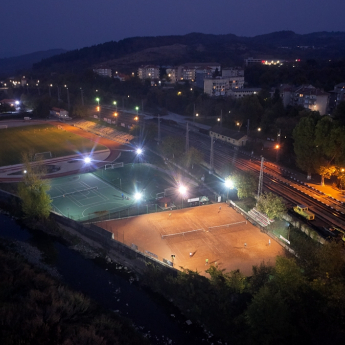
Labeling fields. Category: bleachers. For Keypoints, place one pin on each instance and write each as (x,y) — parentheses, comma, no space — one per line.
(262,219)
(104,131)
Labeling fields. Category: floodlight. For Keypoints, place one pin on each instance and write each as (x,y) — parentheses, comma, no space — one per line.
(139,151)
(229,184)
(17,102)
(137,196)
(87,160)
(182,189)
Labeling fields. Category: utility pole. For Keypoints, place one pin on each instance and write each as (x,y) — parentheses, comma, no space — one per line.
(82,96)
(278,144)
(159,129)
(68,98)
(187,138)
(58,89)
(211,156)
(248,128)
(261,177)
(194,114)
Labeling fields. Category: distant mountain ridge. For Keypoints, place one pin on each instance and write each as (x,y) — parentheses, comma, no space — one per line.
(226,49)
(15,64)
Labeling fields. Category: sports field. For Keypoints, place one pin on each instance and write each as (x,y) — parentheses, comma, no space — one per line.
(84,196)
(222,236)
(41,138)
(138,177)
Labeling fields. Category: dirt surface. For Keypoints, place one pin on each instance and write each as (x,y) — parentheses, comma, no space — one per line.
(220,237)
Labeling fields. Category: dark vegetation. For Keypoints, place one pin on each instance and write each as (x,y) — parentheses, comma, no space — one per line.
(36,309)
(228,49)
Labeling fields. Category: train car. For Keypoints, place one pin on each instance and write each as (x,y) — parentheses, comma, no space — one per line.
(303,211)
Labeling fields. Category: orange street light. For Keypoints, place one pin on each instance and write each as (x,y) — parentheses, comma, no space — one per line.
(277,147)
(97,108)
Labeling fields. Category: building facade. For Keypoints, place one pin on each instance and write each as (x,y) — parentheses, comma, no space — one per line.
(103,71)
(148,72)
(230,136)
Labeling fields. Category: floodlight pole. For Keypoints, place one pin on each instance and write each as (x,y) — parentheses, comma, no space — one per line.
(82,96)
(159,129)
(261,177)
(211,155)
(187,138)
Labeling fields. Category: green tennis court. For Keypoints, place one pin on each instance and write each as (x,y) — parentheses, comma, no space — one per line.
(85,196)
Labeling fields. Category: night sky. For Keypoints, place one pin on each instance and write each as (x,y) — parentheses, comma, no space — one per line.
(27,26)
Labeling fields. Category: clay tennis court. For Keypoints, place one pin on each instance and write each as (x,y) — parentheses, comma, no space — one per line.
(218,235)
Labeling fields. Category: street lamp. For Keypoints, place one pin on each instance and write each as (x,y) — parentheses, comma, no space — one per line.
(277,147)
(115,103)
(139,151)
(137,109)
(115,114)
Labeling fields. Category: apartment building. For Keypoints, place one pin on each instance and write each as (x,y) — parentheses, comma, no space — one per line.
(188,71)
(223,86)
(243,92)
(103,71)
(336,96)
(307,96)
(148,72)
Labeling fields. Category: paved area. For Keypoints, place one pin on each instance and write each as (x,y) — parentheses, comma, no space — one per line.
(221,238)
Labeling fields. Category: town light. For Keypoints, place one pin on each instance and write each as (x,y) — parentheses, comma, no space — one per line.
(87,160)
(139,151)
(277,147)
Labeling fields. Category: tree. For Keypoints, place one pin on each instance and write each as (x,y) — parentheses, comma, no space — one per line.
(330,144)
(36,202)
(193,156)
(246,184)
(173,146)
(304,145)
(272,205)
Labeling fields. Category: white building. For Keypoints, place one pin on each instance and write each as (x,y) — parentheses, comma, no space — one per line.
(222,86)
(230,136)
(103,71)
(307,96)
(243,92)
(148,72)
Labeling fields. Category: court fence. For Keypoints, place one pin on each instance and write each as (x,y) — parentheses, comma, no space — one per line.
(110,241)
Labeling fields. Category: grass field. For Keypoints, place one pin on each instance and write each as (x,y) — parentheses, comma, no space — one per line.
(40,138)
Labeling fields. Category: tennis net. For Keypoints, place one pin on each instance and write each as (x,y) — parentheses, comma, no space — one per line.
(75,192)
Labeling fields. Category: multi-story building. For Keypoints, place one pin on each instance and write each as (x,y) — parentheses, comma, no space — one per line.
(201,73)
(233,72)
(336,96)
(103,71)
(307,96)
(188,71)
(172,74)
(148,72)
(243,92)
(222,86)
